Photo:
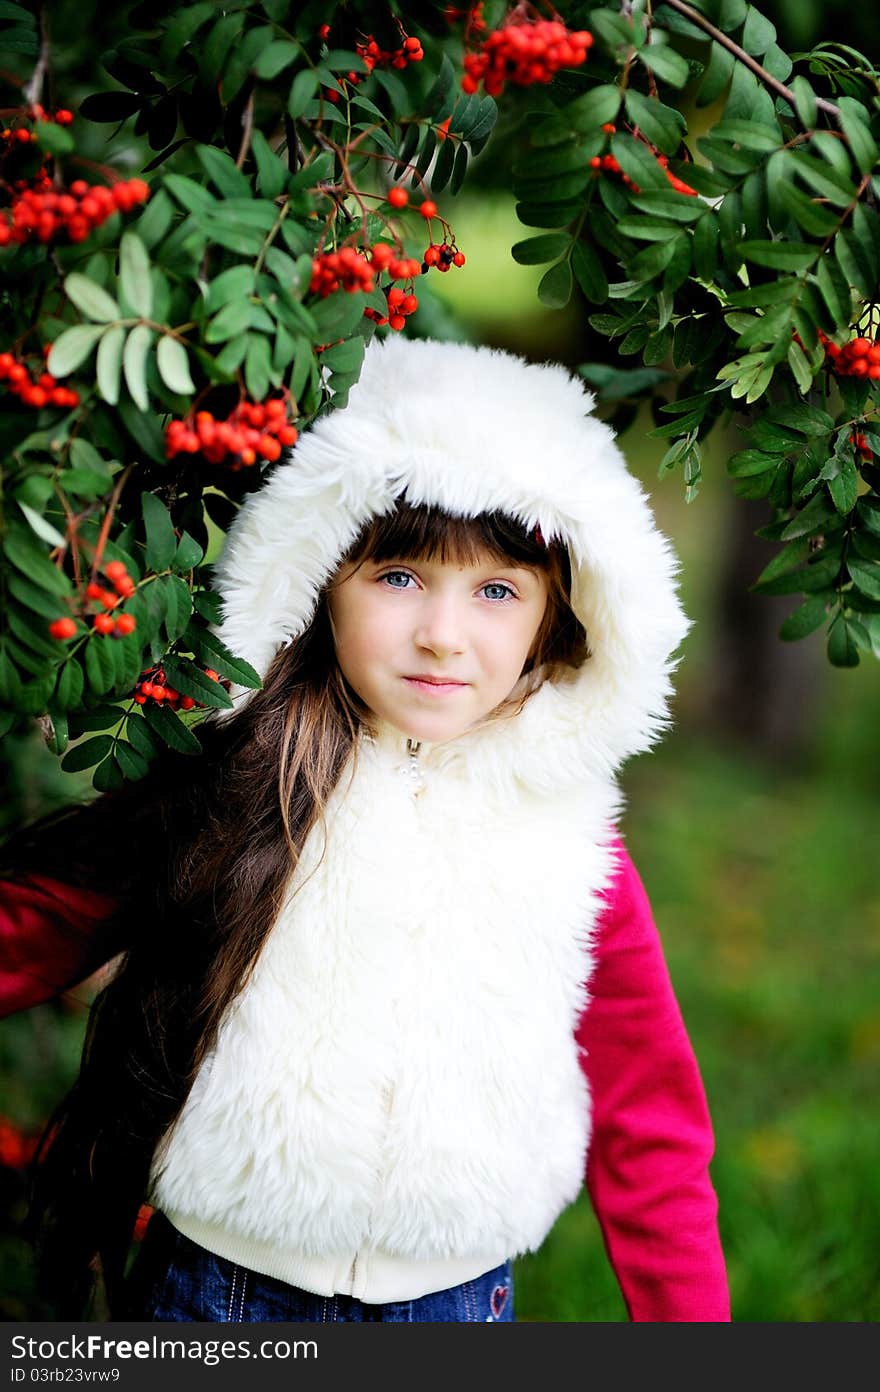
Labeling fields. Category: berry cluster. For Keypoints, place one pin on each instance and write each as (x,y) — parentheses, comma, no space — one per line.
(400,306)
(103,621)
(860,357)
(347,267)
(350,269)
(61,117)
(861,444)
(398,267)
(254,429)
(442,255)
(524,53)
(45,213)
(20,135)
(610,165)
(153,687)
(410,51)
(42,390)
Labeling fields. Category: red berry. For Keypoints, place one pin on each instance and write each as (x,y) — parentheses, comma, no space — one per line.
(398,197)
(458,259)
(62,628)
(428,209)
(103,623)
(126,623)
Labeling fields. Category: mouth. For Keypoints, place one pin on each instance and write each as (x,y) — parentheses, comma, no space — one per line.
(433,686)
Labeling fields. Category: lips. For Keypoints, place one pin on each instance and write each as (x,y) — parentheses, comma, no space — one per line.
(432,687)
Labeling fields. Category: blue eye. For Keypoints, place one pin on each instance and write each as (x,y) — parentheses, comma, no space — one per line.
(504,598)
(497,585)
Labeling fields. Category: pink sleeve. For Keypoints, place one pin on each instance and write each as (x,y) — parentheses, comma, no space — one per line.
(647,1168)
(52,936)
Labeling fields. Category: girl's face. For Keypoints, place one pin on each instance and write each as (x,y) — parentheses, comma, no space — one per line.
(468,628)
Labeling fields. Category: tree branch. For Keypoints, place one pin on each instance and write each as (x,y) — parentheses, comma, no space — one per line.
(34,87)
(746,58)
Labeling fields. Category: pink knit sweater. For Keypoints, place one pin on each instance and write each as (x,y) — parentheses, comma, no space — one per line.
(647,1170)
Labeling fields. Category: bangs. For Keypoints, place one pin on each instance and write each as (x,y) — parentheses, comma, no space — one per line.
(423,532)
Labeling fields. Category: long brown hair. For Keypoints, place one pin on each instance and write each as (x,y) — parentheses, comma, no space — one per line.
(200,854)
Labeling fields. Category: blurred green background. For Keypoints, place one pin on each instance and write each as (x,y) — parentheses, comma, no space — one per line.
(751,826)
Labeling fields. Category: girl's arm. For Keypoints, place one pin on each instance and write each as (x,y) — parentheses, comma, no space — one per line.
(648,1163)
(52,936)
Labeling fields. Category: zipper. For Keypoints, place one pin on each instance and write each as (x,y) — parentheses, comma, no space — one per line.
(414,770)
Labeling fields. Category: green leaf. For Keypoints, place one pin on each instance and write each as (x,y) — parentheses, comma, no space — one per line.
(595,108)
(589,272)
(647,264)
(89,298)
(209,649)
(668,65)
(221,170)
(302,89)
(749,462)
(187,678)
(844,489)
(188,553)
(258,366)
(806,619)
(556,286)
(758,33)
(133,764)
(275,57)
(142,739)
(170,729)
(43,529)
(134,274)
(70,684)
(835,291)
(271,171)
(809,216)
(108,777)
(843,650)
(717,75)
(780,256)
(854,119)
(637,163)
(749,136)
(173,365)
(234,284)
(31,559)
(536,250)
(805,101)
(826,181)
(87,754)
(191,195)
(866,575)
(109,363)
(800,368)
(662,125)
(161,541)
(72,347)
(134,364)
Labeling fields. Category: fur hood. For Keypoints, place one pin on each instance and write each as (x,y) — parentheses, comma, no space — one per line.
(475,429)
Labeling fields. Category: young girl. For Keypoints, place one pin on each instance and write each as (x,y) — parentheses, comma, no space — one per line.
(391,987)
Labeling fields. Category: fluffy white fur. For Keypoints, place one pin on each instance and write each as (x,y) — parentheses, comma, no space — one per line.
(400,1073)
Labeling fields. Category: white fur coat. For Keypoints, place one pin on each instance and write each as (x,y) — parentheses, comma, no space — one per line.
(401,1072)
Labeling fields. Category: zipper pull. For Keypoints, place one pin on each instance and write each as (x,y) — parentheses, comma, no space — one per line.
(414,768)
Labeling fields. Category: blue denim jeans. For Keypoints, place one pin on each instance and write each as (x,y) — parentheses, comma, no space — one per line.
(174,1279)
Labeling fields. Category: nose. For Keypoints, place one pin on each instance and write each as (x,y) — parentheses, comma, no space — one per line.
(440,627)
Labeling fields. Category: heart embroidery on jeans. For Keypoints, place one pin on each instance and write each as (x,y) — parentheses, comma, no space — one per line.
(498,1300)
